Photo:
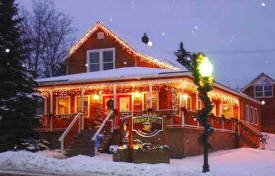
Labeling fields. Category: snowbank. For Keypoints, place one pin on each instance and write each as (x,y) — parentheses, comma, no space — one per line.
(270,141)
(241,162)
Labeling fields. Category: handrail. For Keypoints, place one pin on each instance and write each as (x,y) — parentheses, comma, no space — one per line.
(64,134)
(253,129)
(102,125)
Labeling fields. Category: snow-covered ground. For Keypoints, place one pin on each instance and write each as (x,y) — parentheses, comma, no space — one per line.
(237,162)
(240,162)
(270,141)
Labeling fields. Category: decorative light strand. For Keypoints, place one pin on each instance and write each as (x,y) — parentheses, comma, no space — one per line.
(140,86)
(124,45)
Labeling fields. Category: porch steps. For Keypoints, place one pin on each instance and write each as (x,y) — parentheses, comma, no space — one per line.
(82,144)
(105,143)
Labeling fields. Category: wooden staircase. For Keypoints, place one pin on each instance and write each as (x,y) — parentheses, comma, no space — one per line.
(81,144)
(250,136)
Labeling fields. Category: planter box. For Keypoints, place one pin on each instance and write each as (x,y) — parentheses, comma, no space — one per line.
(139,156)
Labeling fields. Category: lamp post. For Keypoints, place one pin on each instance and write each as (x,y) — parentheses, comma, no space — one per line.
(205,79)
(202,71)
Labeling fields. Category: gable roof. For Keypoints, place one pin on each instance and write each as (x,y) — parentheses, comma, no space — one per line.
(149,54)
(256,79)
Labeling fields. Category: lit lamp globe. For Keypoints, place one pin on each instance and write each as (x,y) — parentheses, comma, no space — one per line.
(205,67)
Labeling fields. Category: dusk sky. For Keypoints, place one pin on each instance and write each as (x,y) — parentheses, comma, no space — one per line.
(238,35)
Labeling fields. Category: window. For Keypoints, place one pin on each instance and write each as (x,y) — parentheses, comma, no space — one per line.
(256,116)
(263,91)
(214,110)
(63,105)
(227,110)
(86,105)
(199,105)
(251,120)
(247,113)
(146,100)
(187,102)
(101,59)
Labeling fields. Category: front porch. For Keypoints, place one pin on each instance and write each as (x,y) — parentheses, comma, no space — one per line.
(99,108)
(177,99)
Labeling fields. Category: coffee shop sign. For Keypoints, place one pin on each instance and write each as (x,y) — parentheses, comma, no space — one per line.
(147,126)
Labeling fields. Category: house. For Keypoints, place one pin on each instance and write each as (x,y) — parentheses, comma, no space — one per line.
(261,88)
(109,78)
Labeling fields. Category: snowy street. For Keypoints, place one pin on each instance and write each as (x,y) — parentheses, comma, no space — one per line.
(241,162)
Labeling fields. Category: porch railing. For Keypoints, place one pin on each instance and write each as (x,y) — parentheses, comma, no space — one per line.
(252,135)
(73,129)
(102,126)
(61,121)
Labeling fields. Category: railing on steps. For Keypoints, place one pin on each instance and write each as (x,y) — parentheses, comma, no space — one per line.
(251,134)
(104,123)
(73,129)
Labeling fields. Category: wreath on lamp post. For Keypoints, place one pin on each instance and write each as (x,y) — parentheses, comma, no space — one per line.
(202,69)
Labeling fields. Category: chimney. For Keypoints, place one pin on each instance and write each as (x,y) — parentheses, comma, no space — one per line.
(145,39)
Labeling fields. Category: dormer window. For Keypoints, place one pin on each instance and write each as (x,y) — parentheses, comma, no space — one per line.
(262,91)
(100,59)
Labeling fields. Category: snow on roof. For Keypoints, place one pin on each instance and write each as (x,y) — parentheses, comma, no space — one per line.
(113,74)
(134,43)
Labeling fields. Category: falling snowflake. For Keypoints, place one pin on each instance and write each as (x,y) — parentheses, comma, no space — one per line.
(263,4)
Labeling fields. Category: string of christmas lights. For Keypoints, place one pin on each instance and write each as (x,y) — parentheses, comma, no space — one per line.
(137,86)
(123,44)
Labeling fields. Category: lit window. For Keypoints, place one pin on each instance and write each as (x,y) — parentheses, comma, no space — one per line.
(199,105)
(63,105)
(227,110)
(188,102)
(214,110)
(146,100)
(102,59)
(86,106)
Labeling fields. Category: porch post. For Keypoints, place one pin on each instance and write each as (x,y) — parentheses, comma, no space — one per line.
(51,110)
(115,106)
(197,107)
(239,116)
(82,109)
(150,96)
(182,105)
(45,105)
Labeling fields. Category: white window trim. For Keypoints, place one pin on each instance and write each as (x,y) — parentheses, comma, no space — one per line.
(262,85)
(75,103)
(57,98)
(100,57)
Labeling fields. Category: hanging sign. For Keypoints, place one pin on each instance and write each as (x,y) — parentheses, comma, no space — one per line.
(147,126)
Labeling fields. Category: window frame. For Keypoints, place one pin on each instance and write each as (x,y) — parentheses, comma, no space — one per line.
(59,97)
(75,103)
(263,91)
(101,62)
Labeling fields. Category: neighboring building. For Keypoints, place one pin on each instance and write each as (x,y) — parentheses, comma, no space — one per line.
(135,78)
(261,88)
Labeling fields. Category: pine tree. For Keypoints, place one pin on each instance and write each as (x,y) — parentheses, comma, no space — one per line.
(17,96)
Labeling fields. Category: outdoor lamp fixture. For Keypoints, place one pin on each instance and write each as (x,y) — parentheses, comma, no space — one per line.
(96,97)
(205,67)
